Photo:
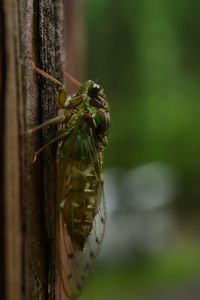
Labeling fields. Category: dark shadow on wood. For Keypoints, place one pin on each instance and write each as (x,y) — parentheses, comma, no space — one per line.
(2,111)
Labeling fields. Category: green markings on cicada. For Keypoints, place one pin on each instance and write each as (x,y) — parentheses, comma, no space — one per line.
(81,138)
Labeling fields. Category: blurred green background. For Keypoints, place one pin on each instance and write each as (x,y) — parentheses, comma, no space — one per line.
(146,55)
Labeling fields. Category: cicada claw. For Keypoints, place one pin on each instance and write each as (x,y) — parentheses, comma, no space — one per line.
(34,158)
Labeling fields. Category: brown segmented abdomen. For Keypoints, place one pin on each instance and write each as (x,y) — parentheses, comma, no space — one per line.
(80,204)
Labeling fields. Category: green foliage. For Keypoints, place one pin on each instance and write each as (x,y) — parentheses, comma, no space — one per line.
(146,54)
(163,272)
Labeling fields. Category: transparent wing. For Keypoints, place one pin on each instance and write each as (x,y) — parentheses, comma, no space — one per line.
(81,212)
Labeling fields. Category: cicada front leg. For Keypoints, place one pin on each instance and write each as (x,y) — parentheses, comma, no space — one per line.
(63,119)
(62,92)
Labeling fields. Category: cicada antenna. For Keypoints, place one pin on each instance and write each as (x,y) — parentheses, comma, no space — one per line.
(72,79)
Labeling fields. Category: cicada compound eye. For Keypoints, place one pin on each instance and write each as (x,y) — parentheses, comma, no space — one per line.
(93,90)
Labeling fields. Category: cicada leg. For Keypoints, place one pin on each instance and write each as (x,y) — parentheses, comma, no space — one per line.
(61,134)
(61,98)
(56,120)
(62,92)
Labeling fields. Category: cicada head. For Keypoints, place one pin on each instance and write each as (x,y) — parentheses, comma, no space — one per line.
(97,95)
(97,114)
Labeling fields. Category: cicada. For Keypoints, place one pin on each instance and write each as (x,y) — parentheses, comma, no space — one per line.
(80,204)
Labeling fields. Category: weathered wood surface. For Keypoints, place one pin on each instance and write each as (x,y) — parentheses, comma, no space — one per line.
(11,149)
(30,29)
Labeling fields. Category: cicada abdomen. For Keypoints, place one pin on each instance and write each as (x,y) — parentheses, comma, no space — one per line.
(80,190)
(80,196)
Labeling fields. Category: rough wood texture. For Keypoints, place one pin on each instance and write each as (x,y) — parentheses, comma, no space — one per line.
(11,147)
(32,29)
(39,194)
(2,96)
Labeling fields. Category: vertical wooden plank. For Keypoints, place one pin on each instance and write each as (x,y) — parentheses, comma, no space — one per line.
(50,57)
(40,42)
(2,97)
(11,158)
(33,29)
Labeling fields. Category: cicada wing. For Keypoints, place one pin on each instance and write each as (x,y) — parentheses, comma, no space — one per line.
(79,183)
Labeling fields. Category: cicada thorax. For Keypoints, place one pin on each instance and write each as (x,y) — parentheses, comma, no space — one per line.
(99,122)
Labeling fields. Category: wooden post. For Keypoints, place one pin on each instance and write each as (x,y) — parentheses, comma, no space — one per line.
(10,156)
(29,30)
